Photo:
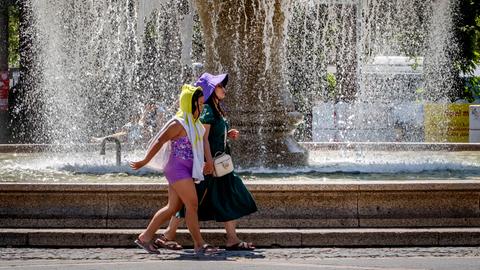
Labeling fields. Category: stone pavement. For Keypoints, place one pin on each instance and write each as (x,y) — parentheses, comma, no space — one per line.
(305,258)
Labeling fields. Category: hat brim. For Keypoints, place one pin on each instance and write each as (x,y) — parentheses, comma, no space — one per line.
(221,79)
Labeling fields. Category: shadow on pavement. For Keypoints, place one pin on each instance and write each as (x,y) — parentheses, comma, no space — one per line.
(222,255)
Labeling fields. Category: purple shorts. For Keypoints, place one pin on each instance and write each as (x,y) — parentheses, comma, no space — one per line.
(178,169)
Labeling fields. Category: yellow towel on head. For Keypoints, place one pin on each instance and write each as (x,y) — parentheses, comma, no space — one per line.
(195,132)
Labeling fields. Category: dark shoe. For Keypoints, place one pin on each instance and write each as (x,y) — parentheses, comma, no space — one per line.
(163,242)
(147,246)
(241,246)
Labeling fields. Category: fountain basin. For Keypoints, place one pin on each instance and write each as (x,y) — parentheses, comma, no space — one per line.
(375,194)
(357,185)
(327,161)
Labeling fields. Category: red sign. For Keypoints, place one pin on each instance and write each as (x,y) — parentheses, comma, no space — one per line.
(4,87)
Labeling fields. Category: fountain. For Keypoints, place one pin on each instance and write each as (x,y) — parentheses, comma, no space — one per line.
(117,150)
(252,50)
(102,60)
(97,61)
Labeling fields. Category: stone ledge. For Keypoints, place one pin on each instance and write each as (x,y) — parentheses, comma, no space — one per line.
(373,146)
(291,205)
(374,237)
(36,148)
(337,185)
(391,146)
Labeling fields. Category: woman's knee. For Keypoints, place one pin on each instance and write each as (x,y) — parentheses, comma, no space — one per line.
(191,206)
(173,209)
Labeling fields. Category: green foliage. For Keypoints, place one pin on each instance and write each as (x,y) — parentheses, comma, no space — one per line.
(331,85)
(468,36)
(471,88)
(13,36)
(416,62)
(420,92)
(151,29)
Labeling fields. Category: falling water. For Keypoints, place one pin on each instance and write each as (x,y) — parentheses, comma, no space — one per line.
(88,65)
(365,64)
(98,62)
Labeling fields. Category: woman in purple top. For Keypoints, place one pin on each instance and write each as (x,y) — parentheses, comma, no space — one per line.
(183,136)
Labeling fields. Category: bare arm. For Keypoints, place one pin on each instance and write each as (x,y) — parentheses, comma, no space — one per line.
(173,130)
(208,155)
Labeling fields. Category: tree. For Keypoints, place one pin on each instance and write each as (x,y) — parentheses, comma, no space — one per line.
(3,35)
(13,36)
(467,33)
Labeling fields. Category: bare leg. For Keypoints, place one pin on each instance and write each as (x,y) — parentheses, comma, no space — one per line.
(187,193)
(162,215)
(171,231)
(231,229)
(232,237)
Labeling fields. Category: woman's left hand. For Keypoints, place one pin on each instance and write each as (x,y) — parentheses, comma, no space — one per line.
(233,134)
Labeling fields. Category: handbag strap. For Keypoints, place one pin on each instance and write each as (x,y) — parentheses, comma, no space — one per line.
(225,140)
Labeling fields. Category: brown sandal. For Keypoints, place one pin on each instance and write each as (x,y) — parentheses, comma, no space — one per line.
(163,242)
(241,246)
(206,249)
(147,246)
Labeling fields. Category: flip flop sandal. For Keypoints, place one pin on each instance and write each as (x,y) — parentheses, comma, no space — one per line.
(206,250)
(163,242)
(240,246)
(147,246)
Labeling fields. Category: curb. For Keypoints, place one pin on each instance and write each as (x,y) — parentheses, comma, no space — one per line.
(372,237)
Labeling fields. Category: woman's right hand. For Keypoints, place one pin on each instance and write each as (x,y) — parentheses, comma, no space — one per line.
(208,167)
(137,164)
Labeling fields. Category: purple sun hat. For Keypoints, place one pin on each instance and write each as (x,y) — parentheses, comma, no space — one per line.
(208,82)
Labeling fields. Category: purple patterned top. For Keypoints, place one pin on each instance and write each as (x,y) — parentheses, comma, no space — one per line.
(182,148)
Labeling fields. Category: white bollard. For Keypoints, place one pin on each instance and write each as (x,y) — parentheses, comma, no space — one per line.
(474,123)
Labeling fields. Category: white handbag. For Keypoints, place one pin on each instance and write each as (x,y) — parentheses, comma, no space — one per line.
(222,162)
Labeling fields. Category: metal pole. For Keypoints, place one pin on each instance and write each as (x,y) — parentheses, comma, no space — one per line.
(3,65)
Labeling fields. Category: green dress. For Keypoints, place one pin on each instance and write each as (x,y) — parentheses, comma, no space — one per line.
(221,198)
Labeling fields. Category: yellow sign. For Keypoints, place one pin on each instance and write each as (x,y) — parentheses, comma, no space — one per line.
(446,122)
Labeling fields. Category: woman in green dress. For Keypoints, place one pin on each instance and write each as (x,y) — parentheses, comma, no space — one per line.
(223,199)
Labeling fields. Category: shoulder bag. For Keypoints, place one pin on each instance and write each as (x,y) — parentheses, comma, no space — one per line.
(222,162)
